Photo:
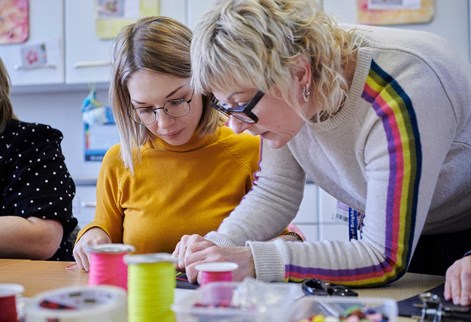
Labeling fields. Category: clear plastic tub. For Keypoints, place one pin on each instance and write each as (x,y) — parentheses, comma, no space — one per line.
(336,307)
(251,301)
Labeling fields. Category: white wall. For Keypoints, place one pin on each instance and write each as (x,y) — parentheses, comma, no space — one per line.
(61,110)
(60,107)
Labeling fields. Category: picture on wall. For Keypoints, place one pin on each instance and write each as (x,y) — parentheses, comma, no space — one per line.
(393,12)
(14,21)
(112,15)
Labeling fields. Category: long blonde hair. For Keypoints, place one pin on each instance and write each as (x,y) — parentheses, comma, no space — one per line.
(256,43)
(6,108)
(159,44)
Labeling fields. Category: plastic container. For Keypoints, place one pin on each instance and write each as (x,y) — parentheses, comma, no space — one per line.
(336,306)
(237,301)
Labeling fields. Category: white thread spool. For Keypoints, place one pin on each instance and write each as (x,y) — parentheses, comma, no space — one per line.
(82,303)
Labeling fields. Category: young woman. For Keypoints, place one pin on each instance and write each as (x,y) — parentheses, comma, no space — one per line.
(177,170)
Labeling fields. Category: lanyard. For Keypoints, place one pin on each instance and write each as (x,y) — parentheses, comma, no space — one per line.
(350,216)
(353,223)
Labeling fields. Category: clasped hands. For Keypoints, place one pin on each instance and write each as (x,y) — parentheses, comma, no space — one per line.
(194,249)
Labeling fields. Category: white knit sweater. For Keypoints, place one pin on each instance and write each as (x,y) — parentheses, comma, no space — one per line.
(399,151)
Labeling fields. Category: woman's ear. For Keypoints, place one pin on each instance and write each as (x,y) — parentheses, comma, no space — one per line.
(302,71)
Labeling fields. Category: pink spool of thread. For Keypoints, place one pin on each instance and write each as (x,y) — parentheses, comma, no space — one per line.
(8,293)
(216,272)
(215,281)
(107,266)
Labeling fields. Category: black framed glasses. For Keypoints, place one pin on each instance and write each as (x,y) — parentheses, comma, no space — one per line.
(242,112)
(148,115)
(317,287)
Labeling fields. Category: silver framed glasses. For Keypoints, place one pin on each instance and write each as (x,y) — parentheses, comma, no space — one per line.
(148,115)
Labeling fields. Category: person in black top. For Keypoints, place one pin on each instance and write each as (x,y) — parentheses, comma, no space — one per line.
(36,189)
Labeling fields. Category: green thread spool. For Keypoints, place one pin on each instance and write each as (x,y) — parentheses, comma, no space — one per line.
(151,285)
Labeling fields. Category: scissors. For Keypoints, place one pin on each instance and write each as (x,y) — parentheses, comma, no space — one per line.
(316,287)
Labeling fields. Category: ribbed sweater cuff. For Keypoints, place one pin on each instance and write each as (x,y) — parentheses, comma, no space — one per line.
(218,239)
(269,266)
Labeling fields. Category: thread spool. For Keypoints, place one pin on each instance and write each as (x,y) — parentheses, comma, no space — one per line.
(8,310)
(216,272)
(218,294)
(151,284)
(107,266)
(81,303)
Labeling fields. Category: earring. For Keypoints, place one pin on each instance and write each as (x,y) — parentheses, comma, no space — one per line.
(306,93)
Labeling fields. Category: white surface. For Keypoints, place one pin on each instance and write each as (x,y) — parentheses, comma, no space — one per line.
(61,110)
(84,204)
(315,216)
(82,46)
(196,9)
(217,267)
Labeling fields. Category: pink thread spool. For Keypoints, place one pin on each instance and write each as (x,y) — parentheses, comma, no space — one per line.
(216,272)
(107,266)
(217,294)
(8,293)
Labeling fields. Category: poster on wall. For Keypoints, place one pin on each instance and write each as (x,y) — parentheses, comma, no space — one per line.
(112,15)
(391,12)
(100,132)
(14,21)
(45,54)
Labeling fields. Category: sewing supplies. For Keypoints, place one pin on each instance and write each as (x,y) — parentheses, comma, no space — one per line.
(343,308)
(151,284)
(317,287)
(74,304)
(107,266)
(8,294)
(216,272)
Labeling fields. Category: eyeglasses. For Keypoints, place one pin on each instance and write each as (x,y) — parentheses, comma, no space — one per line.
(148,115)
(317,287)
(242,112)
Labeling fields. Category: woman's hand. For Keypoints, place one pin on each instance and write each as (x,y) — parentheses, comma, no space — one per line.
(184,246)
(458,282)
(240,255)
(93,236)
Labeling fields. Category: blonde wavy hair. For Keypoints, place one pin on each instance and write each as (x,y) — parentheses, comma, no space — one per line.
(158,44)
(6,108)
(257,43)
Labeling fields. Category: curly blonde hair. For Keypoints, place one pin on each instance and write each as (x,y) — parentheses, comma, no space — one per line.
(159,44)
(258,42)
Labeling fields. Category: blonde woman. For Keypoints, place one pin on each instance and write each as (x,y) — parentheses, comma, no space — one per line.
(380,118)
(36,189)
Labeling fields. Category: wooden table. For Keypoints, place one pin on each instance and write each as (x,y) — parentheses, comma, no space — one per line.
(41,276)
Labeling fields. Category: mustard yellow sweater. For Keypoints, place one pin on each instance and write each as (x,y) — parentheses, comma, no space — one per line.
(175,190)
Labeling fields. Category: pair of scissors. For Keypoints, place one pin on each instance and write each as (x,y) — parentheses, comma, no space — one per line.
(317,287)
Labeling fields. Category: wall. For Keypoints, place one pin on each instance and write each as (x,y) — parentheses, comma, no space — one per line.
(451,20)
(61,108)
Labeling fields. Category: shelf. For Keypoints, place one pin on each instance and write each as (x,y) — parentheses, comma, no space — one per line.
(54,88)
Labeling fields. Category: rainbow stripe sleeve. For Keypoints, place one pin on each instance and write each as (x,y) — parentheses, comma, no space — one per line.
(394,107)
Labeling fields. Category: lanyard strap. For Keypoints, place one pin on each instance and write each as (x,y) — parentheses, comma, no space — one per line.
(352,223)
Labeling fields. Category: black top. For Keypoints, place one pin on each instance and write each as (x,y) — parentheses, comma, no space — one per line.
(34,180)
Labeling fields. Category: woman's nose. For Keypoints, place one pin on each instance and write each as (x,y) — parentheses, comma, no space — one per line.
(237,125)
(164,120)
